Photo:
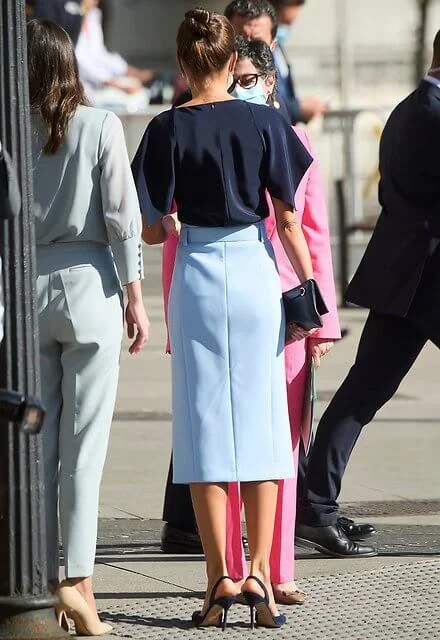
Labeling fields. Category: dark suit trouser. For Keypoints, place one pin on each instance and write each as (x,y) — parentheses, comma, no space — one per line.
(178,510)
(177,507)
(387,350)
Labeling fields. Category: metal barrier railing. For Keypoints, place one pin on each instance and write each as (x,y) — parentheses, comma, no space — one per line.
(350,188)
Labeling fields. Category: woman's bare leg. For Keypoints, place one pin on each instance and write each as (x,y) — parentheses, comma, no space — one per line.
(260,501)
(210,502)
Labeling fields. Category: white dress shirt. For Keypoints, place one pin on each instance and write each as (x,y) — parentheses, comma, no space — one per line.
(96,64)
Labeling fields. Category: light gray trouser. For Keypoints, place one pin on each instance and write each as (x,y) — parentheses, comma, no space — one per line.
(81,323)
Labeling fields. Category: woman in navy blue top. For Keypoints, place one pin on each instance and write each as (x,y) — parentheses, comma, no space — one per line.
(215,159)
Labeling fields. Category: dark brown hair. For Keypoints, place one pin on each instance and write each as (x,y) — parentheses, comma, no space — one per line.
(261,56)
(436,46)
(252,10)
(54,85)
(205,42)
(281,4)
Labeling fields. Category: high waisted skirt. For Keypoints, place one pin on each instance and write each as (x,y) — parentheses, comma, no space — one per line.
(226,322)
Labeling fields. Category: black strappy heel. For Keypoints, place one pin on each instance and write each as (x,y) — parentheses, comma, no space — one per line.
(217,612)
(261,615)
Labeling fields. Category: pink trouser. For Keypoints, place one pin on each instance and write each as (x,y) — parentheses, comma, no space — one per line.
(282,557)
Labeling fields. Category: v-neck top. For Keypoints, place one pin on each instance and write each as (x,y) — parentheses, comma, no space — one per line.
(215,161)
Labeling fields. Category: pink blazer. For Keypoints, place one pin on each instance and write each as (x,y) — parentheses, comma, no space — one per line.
(312,212)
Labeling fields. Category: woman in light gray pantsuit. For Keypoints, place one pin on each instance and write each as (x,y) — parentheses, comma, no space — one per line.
(88,244)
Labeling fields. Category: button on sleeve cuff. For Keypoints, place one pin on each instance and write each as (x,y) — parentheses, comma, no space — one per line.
(127,255)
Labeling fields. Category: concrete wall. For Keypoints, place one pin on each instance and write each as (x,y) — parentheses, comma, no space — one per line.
(145,30)
(380,34)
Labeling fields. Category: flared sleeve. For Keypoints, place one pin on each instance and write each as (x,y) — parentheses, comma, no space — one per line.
(287,159)
(153,168)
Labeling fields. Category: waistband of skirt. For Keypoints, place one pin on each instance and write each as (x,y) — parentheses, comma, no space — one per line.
(62,255)
(206,235)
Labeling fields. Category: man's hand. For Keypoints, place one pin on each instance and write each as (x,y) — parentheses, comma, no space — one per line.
(311,108)
(125,84)
(318,348)
(143,75)
(88,5)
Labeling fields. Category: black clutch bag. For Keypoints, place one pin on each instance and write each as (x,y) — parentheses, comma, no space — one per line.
(304,306)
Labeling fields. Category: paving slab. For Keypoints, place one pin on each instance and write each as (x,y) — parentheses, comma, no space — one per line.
(389,603)
(392,480)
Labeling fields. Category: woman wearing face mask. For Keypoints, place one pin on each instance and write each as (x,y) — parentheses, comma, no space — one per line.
(255,81)
(254,74)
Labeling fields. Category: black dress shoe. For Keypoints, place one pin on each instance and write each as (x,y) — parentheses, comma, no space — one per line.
(355,530)
(178,541)
(173,540)
(332,541)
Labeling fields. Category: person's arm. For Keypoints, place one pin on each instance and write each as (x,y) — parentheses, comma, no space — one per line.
(294,244)
(96,65)
(123,223)
(293,240)
(153,171)
(287,161)
(310,108)
(294,110)
(317,234)
(153,233)
(136,317)
(143,75)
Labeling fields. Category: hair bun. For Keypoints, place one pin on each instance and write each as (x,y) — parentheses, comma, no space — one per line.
(198,20)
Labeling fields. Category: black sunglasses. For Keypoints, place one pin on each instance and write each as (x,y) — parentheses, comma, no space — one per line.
(246,81)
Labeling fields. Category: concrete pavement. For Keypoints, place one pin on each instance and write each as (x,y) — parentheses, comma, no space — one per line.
(392,480)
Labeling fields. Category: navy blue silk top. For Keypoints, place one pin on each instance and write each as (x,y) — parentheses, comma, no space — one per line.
(215,161)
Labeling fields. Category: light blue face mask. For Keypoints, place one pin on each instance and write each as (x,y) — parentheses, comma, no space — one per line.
(255,95)
(283,33)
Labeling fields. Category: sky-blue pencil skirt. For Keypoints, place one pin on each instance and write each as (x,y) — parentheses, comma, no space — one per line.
(226,322)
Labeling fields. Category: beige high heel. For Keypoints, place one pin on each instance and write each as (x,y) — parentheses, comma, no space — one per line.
(74,605)
(62,619)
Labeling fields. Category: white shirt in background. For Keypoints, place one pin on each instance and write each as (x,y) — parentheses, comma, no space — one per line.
(96,64)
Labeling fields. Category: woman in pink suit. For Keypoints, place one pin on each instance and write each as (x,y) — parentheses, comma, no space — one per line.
(254,80)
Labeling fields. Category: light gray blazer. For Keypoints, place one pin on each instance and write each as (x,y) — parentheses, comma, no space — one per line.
(85,192)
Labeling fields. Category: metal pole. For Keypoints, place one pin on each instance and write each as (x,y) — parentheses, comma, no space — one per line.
(345,55)
(420,54)
(26,607)
(344,51)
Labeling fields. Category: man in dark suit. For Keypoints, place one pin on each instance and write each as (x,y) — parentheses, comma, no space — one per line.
(304,109)
(398,280)
(66,13)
